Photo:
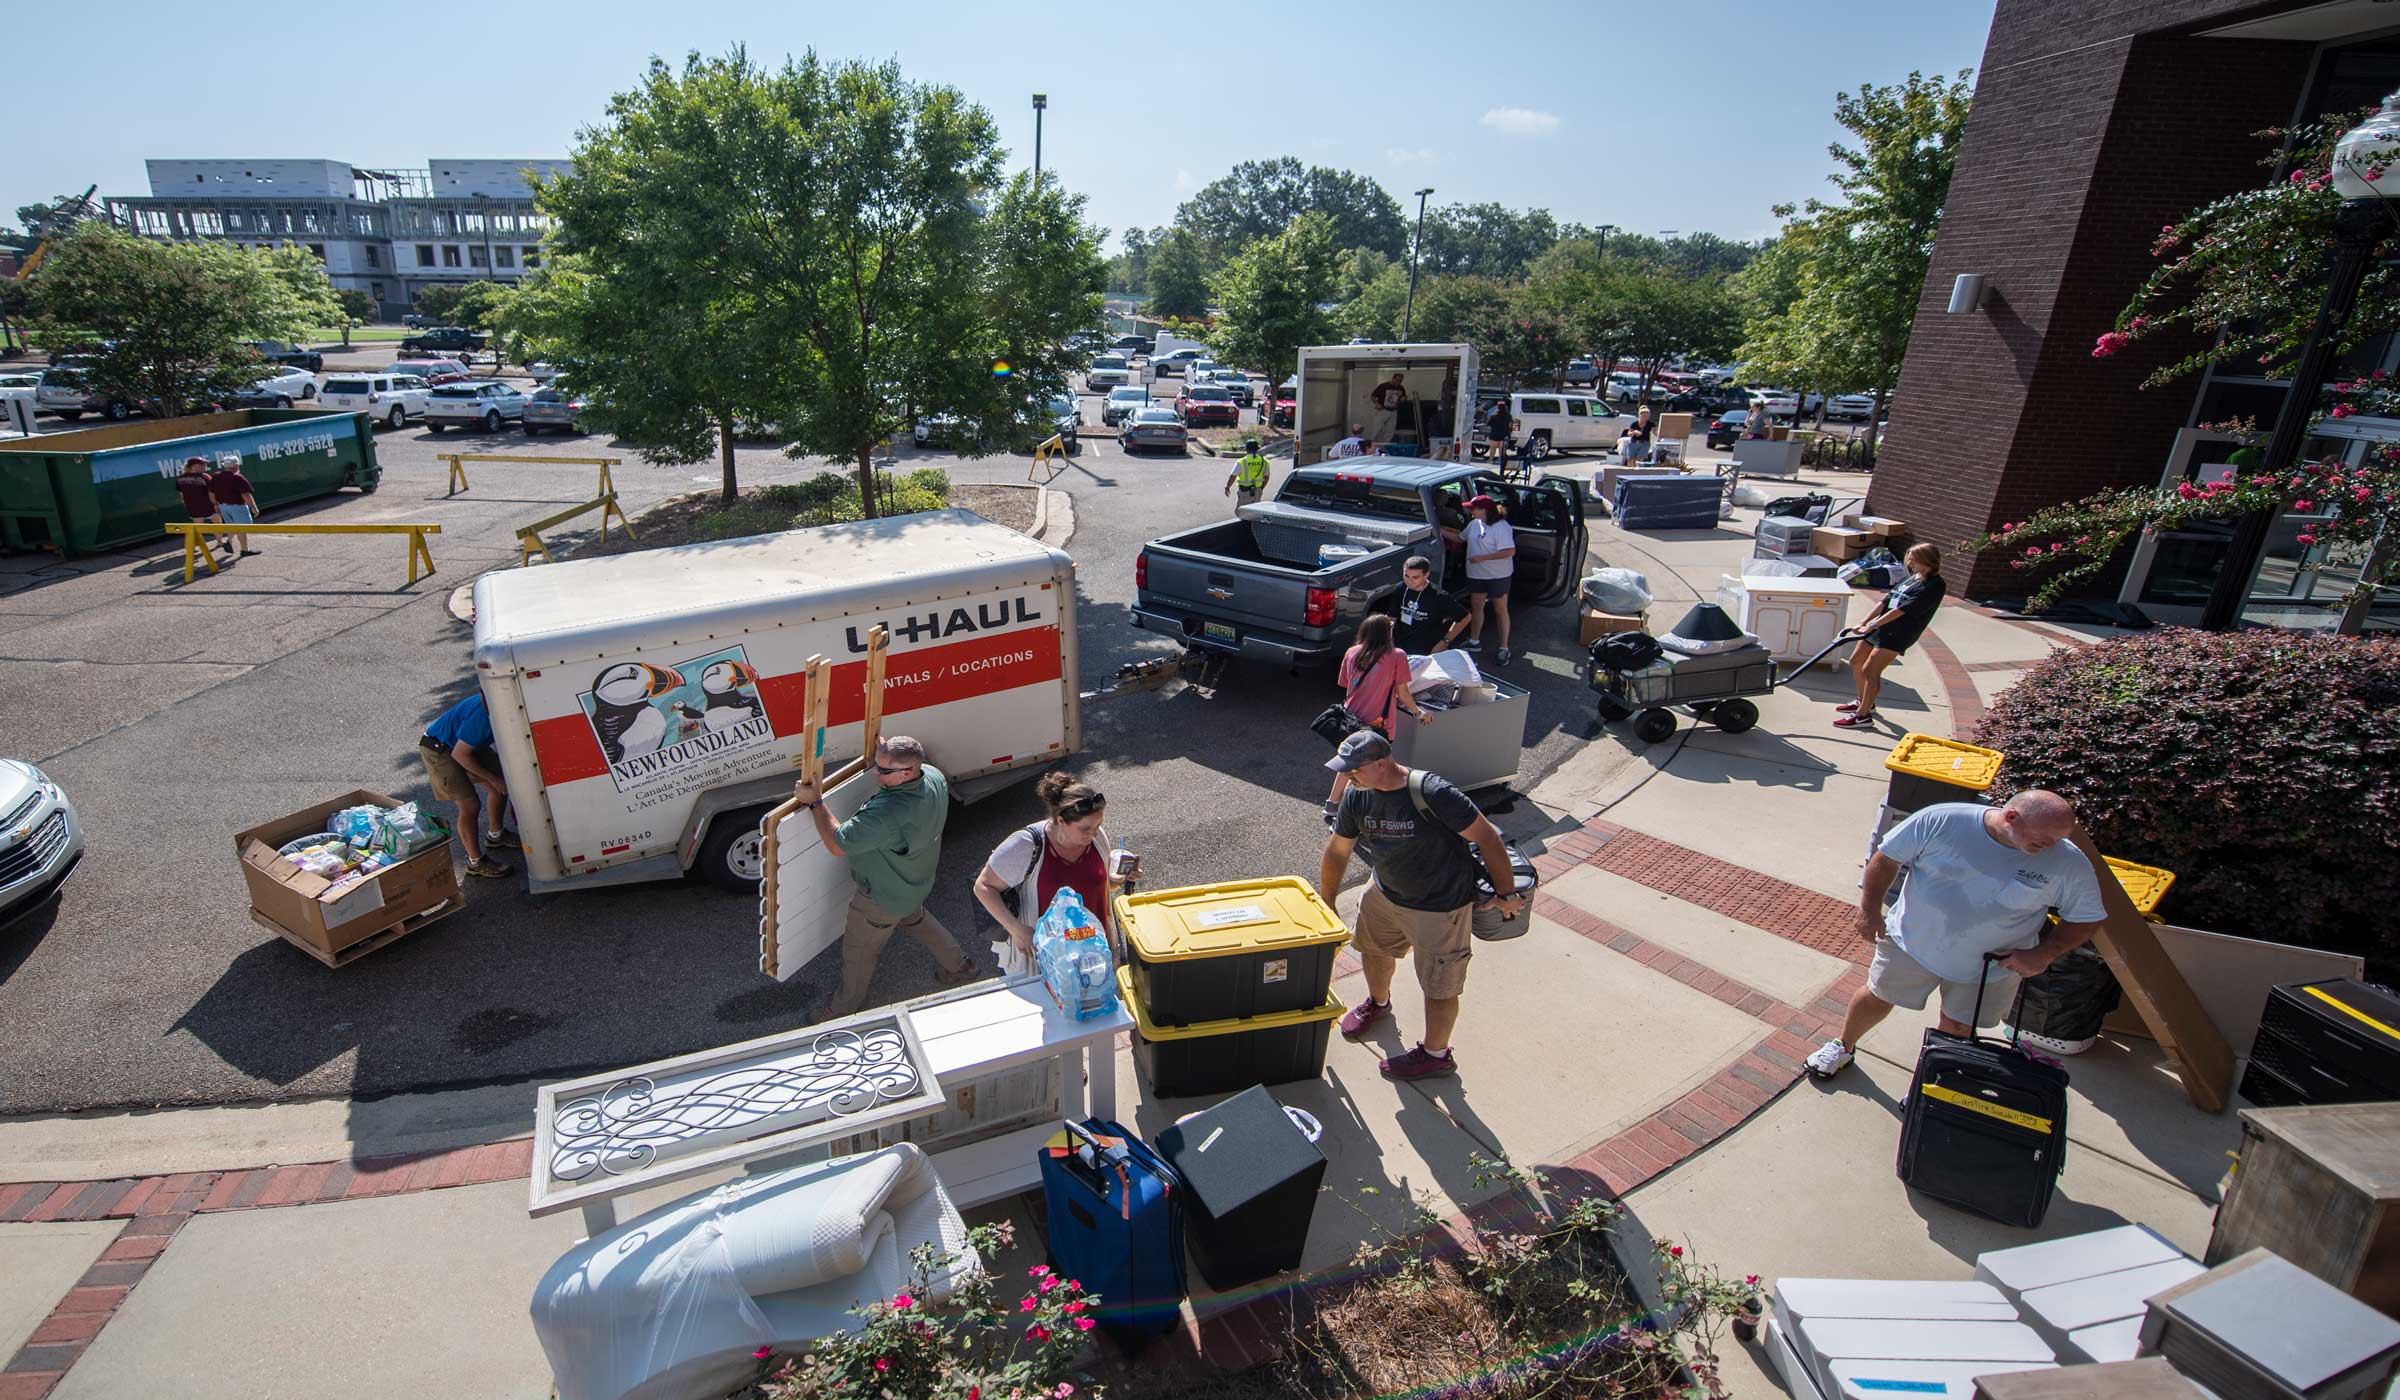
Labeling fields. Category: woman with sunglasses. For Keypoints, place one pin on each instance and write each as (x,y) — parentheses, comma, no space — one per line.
(1067,851)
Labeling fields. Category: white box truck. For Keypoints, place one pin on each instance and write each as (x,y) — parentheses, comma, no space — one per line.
(1337,388)
(648,707)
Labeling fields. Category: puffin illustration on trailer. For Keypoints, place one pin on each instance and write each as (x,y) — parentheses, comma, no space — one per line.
(658,722)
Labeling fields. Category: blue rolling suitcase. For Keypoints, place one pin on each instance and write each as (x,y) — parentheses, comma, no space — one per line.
(1116,1224)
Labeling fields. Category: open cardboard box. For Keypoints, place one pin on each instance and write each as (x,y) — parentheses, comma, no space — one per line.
(295,901)
(1596,624)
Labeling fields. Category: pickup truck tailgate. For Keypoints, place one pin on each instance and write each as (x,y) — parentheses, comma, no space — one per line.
(1241,593)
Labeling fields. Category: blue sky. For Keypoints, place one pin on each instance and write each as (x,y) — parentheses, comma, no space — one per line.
(1652,117)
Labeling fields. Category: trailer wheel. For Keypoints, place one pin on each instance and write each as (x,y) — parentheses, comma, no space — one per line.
(1733,716)
(733,854)
(1614,710)
(1654,726)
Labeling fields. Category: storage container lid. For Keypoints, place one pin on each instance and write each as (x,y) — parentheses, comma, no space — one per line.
(1215,921)
(2146,885)
(1945,761)
(1281,1020)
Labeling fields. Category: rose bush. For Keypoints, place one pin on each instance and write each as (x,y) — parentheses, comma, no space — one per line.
(2262,767)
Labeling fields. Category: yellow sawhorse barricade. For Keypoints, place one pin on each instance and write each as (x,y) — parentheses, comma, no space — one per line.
(529,537)
(1049,459)
(458,470)
(195,540)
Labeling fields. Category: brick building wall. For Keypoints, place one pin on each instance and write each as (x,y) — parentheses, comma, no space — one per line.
(2090,130)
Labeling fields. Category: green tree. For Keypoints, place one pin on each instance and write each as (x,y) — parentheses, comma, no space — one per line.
(1647,317)
(478,305)
(437,303)
(1373,292)
(1484,240)
(1178,276)
(1512,332)
(176,314)
(358,307)
(1042,286)
(1272,293)
(1260,198)
(1862,260)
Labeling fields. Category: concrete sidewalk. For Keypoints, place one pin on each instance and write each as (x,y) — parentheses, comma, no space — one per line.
(1690,944)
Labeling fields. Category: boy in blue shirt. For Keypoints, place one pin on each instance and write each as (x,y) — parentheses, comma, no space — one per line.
(461,765)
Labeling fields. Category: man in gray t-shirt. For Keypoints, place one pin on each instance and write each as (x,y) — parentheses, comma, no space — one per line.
(1980,880)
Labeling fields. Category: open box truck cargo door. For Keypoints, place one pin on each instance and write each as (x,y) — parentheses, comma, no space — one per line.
(1336,382)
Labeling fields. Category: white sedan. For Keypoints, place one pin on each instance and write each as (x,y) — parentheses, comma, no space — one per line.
(285,384)
(475,403)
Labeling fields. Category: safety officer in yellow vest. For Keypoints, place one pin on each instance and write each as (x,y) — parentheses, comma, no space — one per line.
(1250,474)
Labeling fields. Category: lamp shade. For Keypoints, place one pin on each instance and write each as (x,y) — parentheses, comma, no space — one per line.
(2363,159)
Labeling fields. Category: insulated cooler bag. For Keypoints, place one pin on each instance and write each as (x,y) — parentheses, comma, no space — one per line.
(1116,1223)
(1986,1126)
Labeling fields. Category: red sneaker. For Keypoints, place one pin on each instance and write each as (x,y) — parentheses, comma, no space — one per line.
(1863,721)
(1420,1063)
(1846,706)
(1358,1018)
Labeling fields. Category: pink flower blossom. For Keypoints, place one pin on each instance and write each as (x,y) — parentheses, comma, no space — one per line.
(1075,1307)
(2109,344)
(2371,176)
(2186,490)
(2082,540)
(2298,176)
(903,1303)
(1064,1390)
(883,1363)
(2362,494)
(2342,410)
(1752,1280)
(1085,1324)
(2305,537)
(762,1353)
(2062,544)
(1028,1305)
(1037,1271)
(2137,323)
(2314,186)
(2033,551)
(2304,505)
(1048,1284)
(1038,1332)
(1675,1251)
(2380,374)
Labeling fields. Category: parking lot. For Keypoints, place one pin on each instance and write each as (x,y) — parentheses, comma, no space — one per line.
(177,715)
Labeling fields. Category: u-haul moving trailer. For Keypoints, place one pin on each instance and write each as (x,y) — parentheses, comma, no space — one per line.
(648,707)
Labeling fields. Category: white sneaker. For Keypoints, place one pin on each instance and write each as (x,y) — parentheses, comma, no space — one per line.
(1830,1059)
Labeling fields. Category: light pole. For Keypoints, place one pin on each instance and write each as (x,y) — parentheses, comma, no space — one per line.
(1408,313)
(1041,104)
(1600,245)
(2364,220)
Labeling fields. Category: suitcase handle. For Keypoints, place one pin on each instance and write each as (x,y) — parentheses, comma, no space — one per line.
(1102,1153)
(1975,1027)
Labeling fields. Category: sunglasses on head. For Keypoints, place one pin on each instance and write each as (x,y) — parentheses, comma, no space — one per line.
(1081,807)
(903,768)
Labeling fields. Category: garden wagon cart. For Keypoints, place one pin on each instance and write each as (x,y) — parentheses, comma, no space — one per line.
(1711,686)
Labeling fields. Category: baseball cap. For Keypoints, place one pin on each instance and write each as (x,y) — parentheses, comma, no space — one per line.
(1359,750)
(1480,502)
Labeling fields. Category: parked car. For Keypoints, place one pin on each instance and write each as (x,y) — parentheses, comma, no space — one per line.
(285,387)
(553,405)
(1107,372)
(541,371)
(41,838)
(456,338)
(66,391)
(1066,419)
(1122,402)
(1176,361)
(1128,344)
(1205,404)
(435,372)
(1728,428)
(1156,427)
(284,352)
(1776,403)
(1233,382)
(1624,386)
(484,403)
(389,399)
(1287,403)
(86,351)
(1581,372)
(1858,406)
(1548,423)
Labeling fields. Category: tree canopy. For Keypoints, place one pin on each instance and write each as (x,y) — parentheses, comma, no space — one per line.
(1260,198)
(173,316)
(1178,276)
(1271,295)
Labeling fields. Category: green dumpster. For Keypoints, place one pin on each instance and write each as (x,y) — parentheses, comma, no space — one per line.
(97,488)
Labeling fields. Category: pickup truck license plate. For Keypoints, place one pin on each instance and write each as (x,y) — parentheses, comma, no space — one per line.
(1220,632)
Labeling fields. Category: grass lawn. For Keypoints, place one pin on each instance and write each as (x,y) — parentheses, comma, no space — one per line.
(363,335)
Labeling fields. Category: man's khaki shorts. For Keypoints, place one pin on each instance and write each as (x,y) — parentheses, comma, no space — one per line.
(450,782)
(1442,943)
(1896,977)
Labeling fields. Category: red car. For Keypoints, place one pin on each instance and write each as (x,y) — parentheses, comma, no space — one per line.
(1205,404)
(1284,405)
(431,369)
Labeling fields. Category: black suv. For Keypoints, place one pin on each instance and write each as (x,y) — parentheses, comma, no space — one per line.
(443,338)
(283,352)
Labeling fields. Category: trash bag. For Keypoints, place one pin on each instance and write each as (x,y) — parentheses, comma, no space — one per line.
(1812,508)
(1626,651)
(1451,668)
(1619,591)
(2070,999)
(1773,568)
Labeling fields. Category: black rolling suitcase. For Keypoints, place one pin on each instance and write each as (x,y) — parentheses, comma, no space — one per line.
(1986,1126)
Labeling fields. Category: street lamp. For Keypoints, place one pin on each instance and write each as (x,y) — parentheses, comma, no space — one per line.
(2360,161)
(1041,103)
(1408,313)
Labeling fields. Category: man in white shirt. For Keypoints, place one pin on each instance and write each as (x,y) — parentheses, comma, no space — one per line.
(1980,880)
(1354,445)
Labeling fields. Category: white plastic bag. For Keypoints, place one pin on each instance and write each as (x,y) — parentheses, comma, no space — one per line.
(1441,668)
(1619,591)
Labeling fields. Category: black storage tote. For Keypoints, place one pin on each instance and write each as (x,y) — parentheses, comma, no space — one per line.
(1218,1057)
(1250,1176)
(1215,952)
(1985,1127)
(2323,1043)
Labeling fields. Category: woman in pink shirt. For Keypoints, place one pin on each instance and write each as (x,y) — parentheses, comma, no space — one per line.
(1374,688)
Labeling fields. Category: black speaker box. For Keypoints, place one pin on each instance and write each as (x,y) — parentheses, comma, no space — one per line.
(1250,1179)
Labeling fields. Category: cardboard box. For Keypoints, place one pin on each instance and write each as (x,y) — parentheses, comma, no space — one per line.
(1673,427)
(295,901)
(1597,624)
(1882,527)
(1838,542)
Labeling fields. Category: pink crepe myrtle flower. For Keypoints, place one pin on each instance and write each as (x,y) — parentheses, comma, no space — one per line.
(2109,344)
(1038,1332)
(2342,410)
(2033,551)
(2305,537)
(2304,505)
(903,1303)
(1085,1324)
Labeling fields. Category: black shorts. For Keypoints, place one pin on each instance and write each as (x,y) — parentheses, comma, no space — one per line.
(1893,641)
(1491,587)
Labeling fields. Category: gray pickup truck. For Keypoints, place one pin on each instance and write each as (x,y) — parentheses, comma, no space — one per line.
(1288,579)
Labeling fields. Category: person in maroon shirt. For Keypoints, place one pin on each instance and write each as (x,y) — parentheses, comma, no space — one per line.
(1069,851)
(199,501)
(237,504)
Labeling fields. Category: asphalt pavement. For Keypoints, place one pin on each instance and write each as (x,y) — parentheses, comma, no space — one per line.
(177,715)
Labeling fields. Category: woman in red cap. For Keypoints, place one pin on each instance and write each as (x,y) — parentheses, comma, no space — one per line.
(1491,567)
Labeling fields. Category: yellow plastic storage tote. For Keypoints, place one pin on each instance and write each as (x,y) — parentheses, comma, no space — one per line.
(1216,952)
(1222,1057)
(2147,885)
(1926,770)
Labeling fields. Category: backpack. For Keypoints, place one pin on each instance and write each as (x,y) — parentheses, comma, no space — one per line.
(1626,651)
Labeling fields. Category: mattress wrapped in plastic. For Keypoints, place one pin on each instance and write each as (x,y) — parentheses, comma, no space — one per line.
(1668,502)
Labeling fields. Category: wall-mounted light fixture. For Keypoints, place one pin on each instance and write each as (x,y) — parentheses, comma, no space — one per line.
(1966,294)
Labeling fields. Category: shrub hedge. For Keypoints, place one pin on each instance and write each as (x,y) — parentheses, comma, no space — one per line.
(2263,768)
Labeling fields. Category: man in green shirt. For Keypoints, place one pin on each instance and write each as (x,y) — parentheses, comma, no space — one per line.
(1250,474)
(893,843)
